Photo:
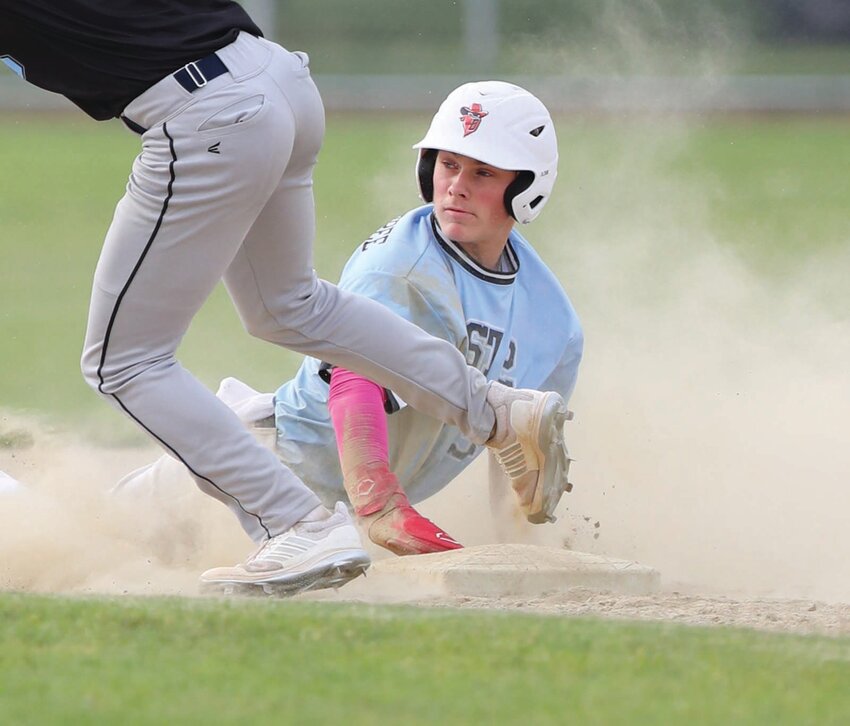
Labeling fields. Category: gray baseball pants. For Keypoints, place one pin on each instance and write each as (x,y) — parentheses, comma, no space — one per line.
(222,189)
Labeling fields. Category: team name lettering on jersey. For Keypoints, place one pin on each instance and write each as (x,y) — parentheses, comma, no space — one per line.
(380,235)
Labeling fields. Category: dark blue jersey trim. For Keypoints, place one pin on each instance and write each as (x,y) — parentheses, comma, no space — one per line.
(456,252)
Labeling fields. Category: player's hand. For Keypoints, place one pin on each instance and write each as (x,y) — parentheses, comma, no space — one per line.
(390,520)
(399,528)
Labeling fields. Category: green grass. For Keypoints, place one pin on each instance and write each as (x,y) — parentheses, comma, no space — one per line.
(199,661)
(772,192)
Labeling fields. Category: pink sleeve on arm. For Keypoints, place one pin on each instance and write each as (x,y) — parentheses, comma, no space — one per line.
(356,406)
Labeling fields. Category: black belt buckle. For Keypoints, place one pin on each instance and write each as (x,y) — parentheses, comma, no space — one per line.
(198,73)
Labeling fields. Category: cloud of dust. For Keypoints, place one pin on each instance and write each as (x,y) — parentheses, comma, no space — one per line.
(64,531)
(640,39)
(711,432)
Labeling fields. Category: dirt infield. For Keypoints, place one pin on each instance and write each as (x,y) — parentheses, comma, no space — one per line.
(794,616)
(685,605)
(778,615)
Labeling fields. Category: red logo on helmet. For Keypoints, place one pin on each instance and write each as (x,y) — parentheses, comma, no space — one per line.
(471,117)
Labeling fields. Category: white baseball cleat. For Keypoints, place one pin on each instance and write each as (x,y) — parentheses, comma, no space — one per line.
(309,556)
(529,445)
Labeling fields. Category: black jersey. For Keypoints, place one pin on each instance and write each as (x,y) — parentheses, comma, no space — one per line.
(102,54)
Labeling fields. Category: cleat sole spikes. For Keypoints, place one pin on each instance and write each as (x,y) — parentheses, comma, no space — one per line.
(553,478)
(333,576)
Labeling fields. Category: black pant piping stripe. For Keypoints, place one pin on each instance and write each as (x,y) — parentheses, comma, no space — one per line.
(194,473)
(139,261)
(114,315)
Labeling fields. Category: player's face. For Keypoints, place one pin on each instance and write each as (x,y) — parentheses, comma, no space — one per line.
(469,200)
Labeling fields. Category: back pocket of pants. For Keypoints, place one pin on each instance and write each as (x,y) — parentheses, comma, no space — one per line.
(234,114)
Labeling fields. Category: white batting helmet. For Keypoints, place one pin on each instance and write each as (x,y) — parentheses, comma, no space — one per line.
(500,124)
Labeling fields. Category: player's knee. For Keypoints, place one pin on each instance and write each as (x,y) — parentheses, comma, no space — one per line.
(89,367)
(290,314)
(106,378)
(262,326)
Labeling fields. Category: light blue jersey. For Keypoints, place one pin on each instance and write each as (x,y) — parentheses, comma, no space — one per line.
(515,325)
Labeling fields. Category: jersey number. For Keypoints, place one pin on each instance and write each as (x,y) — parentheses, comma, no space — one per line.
(484,343)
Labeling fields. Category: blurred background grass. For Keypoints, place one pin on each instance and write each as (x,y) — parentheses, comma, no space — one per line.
(769,189)
(772,192)
(552,36)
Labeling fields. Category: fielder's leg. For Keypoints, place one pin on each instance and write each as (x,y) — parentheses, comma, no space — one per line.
(181,221)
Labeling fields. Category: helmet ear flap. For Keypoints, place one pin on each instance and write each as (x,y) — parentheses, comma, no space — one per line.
(522,182)
(425,173)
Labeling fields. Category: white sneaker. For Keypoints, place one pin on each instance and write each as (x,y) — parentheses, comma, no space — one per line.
(310,556)
(529,445)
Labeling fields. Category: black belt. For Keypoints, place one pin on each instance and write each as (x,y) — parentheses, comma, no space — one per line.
(195,75)
(192,76)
